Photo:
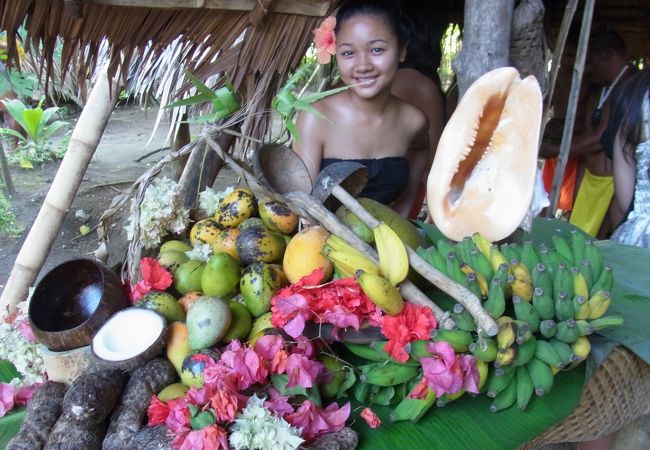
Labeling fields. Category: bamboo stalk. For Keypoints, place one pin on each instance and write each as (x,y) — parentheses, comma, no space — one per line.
(83,143)
(567,133)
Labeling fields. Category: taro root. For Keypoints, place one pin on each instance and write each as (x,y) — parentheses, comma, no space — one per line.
(129,417)
(483,174)
(152,438)
(93,395)
(41,414)
(71,434)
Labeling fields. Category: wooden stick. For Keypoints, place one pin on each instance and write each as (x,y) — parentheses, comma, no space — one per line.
(457,291)
(567,133)
(83,143)
(307,206)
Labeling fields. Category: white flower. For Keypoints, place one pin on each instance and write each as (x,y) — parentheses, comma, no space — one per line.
(209,199)
(200,252)
(161,212)
(256,428)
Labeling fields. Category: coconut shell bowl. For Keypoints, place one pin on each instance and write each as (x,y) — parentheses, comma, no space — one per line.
(72,301)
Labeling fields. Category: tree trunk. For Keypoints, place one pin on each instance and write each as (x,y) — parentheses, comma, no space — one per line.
(181,139)
(83,143)
(486,40)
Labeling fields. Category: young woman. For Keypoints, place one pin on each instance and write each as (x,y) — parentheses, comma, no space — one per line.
(367,123)
(631,113)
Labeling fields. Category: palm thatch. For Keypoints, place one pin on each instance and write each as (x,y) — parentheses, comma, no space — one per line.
(255,49)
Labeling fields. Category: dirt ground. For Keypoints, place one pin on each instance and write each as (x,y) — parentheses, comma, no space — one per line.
(114,168)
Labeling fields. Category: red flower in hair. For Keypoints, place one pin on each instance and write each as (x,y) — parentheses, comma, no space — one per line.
(325,41)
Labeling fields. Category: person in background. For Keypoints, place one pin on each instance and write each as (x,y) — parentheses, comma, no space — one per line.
(606,66)
(417,82)
(367,123)
(630,126)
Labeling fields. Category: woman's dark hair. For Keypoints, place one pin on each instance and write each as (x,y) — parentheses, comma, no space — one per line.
(388,10)
(626,113)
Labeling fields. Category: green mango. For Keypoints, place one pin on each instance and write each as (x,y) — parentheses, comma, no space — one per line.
(257,285)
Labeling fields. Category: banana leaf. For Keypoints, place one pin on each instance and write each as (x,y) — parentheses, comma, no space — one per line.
(468,422)
(10,424)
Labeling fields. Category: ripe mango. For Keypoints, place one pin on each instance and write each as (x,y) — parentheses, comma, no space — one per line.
(257,285)
(178,345)
(303,254)
(204,232)
(208,321)
(278,217)
(256,244)
(236,207)
(226,242)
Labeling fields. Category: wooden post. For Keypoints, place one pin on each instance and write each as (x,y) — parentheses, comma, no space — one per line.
(83,143)
(567,132)
(486,40)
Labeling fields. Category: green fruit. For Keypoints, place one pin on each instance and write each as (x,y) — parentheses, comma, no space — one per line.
(220,277)
(335,367)
(252,222)
(172,259)
(174,390)
(175,245)
(208,321)
(164,304)
(241,322)
(188,276)
(257,285)
(359,228)
(194,365)
(259,325)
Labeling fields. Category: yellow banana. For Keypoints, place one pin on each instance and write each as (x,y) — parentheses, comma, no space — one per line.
(581,347)
(507,335)
(482,243)
(580,287)
(333,242)
(599,304)
(482,282)
(347,263)
(521,283)
(483,369)
(505,356)
(504,319)
(496,257)
(393,258)
(381,292)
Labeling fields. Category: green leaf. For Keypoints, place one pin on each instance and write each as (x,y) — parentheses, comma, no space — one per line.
(84,229)
(10,132)
(198,84)
(194,100)
(468,422)
(32,118)
(227,98)
(25,164)
(10,425)
(314,96)
(202,420)
(193,409)
(7,371)
(348,381)
(280,381)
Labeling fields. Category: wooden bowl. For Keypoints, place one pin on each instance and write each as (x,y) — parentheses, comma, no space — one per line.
(72,302)
(281,169)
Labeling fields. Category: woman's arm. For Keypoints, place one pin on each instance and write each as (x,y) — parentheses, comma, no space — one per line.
(624,175)
(418,156)
(309,145)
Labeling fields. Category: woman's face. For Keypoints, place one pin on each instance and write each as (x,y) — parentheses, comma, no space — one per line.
(368,54)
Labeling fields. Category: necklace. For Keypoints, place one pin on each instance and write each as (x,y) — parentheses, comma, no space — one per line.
(604,94)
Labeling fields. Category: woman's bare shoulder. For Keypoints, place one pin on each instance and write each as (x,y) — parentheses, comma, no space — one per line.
(411,115)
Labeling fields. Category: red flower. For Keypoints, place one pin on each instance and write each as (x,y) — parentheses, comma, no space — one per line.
(227,404)
(325,40)
(212,437)
(157,412)
(413,323)
(154,277)
(370,417)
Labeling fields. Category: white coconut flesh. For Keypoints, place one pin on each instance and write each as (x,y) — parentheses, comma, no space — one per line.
(127,334)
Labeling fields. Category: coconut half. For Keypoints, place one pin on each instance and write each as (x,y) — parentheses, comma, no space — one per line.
(130,338)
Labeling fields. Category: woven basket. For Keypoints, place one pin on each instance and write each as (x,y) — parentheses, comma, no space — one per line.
(616,395)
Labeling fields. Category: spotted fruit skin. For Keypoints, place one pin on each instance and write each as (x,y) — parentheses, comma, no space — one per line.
(236,207)
(204,231)
(278,217)
(257,285)
(259,244)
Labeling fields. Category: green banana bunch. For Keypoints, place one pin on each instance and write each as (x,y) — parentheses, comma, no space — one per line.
(381,292)
(525,352)
(506,398)
(393,257)
(581,308)
(484,349)
(480,263)
(541,278)
(581,348)
(598,304)
(562,280)
(498,382)
(567,331)
(580,286)
(444,247)
(462,317)
(563,249)
(606,321)
(521,285)
(529,255)
(525,388)
(495,304)
(595,258)
(541,375)
(543,304)
(509,251)
(564,351)
(462,248)
(563,306)
(434,258)
(585,270)
(459,340)
(511,331)
(605,282)
(524,331)
(548,328)
(386,374)
(480,279)
(550,258)
(383,396)
(413,408)
(578,246)
(526,312)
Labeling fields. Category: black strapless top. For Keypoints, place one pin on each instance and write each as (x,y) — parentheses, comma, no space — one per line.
(387,177)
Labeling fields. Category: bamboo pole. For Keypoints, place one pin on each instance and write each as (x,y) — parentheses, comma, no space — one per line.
(576,80)
(83,143)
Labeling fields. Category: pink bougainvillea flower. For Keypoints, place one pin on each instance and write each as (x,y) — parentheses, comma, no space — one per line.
(227,404)
(303,347)
(413,323)
(157,412)
(277,403)
(25,331)
(154,277)
(325,40)
(178,419)
(6,398)
(469,372)
(245,364)
(442,371)
(302,371)
(25,393)
(370,417)
(212,437)
(315,422)
(267,346)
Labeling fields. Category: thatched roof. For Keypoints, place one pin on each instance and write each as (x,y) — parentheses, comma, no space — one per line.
(255,43)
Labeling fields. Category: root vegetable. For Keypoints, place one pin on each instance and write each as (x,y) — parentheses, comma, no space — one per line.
(93,395)
(41,414)
(152,438)
(71,434)
(128,417)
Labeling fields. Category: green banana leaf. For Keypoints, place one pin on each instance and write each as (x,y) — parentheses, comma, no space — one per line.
(10,424)
(468,422)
